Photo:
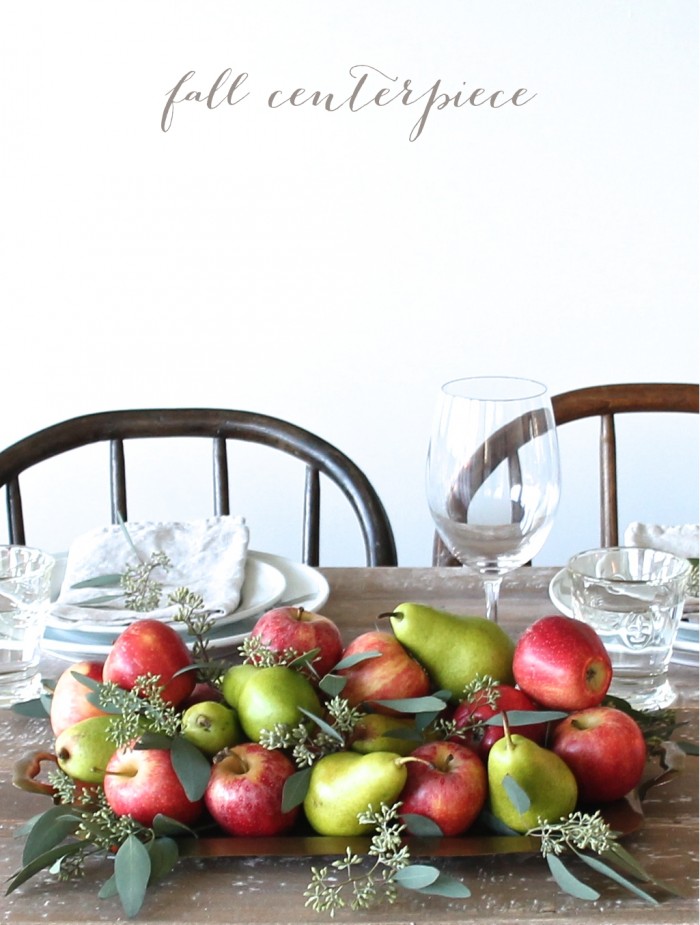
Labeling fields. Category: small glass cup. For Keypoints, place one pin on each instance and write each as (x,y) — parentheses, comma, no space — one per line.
(25,594)
(633,598)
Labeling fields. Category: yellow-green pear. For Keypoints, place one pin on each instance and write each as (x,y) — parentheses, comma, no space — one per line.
(376,732)
(211,726)
(274,695)
(344,784)
(528,782)
(83,749)
(454,649)
(233,681)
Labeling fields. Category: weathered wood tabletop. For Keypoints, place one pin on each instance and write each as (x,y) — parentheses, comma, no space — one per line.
(505,889)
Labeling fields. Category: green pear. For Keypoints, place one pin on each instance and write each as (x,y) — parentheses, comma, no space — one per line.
(520,772)
(211,726)
(344,784)
(377,732)
(83,749)
(274,695)
(233,681)
(454,649)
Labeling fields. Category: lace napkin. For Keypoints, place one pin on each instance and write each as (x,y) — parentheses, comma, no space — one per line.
(208,557)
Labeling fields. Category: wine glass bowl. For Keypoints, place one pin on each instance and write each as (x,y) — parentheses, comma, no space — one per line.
(493,474)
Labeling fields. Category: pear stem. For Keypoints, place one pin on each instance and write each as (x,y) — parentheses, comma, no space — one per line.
(506,732)
(408,758)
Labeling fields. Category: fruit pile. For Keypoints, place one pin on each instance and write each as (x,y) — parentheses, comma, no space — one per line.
(443,714)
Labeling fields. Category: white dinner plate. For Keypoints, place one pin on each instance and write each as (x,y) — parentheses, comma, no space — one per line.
(304,586)
(687,639)
(263,585)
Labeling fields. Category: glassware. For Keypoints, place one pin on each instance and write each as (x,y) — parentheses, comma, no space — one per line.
(493,474)
(633,598)
(25,593)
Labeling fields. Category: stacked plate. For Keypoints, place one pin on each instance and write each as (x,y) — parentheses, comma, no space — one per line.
(270,581)
(686,648)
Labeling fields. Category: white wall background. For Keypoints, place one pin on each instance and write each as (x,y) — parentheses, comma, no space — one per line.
(324,268)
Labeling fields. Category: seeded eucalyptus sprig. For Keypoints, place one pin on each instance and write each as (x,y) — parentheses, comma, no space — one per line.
(580,832)
(391,868)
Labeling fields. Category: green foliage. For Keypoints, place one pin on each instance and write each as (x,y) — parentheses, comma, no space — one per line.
(581,832)
(366,882)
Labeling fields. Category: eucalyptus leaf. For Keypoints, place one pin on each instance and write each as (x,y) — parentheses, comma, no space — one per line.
(127,536)
(100,601)
(191,766)
(99,581)
(355,659)
(295,789)
(690,748)
(323,725)
(515,793)
(494,824)
(92,683)
(568,882)
(615,875)
(35,709)
(108,888)
(26,827)
(332,684)
(107,706)
(165,825)
(132,870)
(154,740)
(447,886)
(416,876)
(429,704)
(52,827)
(305,659)
(525,717)
(164,856)
(42,862)
(421,826)
(621,857)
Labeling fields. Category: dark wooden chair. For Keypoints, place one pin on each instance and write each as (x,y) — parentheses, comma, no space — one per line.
(605,402)
(220,426)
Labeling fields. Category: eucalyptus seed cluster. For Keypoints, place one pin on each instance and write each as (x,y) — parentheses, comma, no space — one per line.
(580,831)
(307,746)
(141,592)
(144,700)
(199,623)
(325,893)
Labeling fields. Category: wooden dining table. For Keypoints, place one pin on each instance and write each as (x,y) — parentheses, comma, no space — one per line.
(505,887)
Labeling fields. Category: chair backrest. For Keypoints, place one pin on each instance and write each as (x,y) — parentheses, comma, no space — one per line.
(606,401)
(116,427)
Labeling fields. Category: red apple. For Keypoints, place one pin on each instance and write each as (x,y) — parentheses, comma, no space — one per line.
(142,783)
(470,717)
(244,794)
(394,674)
(448,785)
(69,703)
(562,664)
(605,750)
(301,630)
(151,647)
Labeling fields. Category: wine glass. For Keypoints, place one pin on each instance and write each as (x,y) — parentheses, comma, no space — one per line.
(493,474)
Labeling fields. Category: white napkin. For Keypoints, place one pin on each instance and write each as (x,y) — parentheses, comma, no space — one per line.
(680,540)
(208,557)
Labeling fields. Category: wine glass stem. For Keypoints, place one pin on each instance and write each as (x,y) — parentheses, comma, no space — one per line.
(492,587)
